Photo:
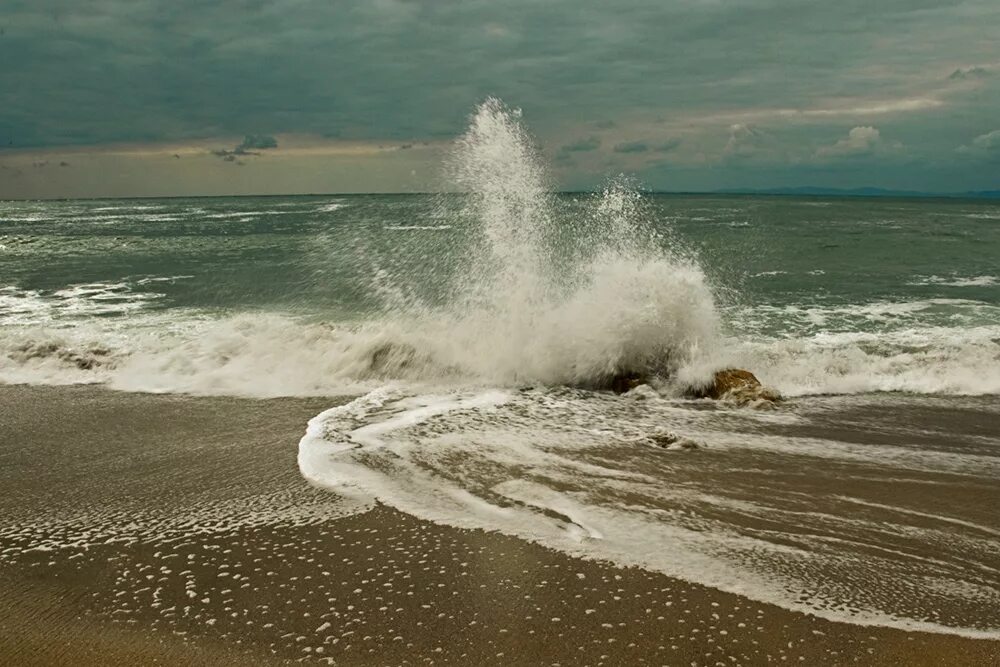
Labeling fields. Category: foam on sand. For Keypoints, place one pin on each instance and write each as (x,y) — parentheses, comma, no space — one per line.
(580,472)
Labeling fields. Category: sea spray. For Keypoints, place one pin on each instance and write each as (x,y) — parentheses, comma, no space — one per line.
(523,313)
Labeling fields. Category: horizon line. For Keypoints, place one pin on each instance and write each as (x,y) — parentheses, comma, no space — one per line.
(868,192)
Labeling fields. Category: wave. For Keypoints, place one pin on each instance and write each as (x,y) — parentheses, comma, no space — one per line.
(330,207)
(268,355)
(625,299)
(958,361)
(804,319)
(406,228)
(74,303)
(586,473)
(102,209)
(245,214)
(954,281)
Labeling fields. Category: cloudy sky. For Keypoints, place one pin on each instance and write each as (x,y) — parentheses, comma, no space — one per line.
(166,97)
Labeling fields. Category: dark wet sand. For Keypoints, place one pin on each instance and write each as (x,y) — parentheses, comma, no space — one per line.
(141,529)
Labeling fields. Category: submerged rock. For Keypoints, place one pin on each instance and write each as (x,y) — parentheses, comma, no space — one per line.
(625,381)
(642,393)
(737,385)
(85,359)
(388,358)
(672,441)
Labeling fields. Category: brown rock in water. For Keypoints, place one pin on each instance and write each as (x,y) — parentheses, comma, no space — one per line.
(389,357)
(625,382)
(735,384)
(729,380)
(671,441)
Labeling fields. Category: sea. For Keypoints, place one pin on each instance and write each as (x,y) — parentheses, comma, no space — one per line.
(467,339)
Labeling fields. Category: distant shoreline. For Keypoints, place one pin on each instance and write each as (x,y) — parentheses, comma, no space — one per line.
(804,192)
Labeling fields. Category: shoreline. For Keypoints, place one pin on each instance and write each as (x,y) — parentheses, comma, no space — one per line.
(176,529)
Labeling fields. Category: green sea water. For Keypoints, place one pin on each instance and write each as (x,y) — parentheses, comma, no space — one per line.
(782,269)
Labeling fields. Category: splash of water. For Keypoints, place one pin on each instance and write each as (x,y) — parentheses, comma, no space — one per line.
(546,293)
(523,313)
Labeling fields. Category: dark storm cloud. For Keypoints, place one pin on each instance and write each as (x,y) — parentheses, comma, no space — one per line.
(252,144)
(98,71)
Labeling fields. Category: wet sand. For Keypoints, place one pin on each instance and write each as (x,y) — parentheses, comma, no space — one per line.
(142,529)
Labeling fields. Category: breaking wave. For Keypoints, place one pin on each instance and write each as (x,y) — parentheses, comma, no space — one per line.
(602,476)
(526,307)
(269,355)
(539,298)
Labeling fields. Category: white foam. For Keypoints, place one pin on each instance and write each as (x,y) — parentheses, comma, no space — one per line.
(245,214)
(126,208)
(956,281)
(267,355)
(69,305)
(963,360)
(571,471)
(407,228)
(162,279)
(330,207)
(250,355)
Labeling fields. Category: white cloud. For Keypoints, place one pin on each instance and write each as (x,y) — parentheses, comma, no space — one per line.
(985,145)
(743,141)
(861,140)
(989,141)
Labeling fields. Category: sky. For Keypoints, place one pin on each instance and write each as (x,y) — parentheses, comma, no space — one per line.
(187,97)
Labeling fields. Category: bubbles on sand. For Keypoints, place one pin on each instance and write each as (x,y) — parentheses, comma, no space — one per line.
(734,507)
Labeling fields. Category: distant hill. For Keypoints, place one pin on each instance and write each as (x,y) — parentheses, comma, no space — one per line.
(863,192)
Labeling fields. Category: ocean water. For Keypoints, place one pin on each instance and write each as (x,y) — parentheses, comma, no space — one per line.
(468,336)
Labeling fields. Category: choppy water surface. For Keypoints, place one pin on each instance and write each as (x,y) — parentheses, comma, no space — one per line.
(473,328)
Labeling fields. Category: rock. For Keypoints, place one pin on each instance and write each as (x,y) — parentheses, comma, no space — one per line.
(625,381)
(736,385)
(672,442)
(642,393)
(85,360)
(727,381)
(389,358)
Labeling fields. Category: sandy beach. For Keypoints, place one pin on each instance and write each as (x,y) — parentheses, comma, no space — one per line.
(165,529)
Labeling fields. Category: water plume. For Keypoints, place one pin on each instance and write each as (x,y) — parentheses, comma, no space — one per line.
(528,309)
